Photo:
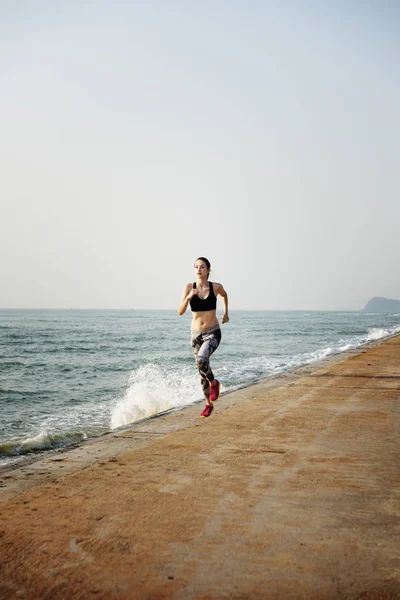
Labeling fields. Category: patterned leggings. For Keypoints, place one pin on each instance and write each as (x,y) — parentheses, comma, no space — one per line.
(204,343)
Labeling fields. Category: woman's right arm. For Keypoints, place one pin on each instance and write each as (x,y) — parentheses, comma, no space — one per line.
(187,294)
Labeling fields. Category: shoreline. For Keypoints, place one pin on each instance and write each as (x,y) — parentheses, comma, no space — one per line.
(59,423)
(47,466)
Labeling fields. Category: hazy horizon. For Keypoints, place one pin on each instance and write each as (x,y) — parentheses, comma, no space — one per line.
(141,309)
(137,137)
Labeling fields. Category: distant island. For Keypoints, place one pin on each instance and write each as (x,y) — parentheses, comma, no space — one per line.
(378,304)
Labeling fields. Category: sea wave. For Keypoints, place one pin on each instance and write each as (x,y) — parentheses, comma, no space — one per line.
(43,441)
(154,389)
(377,333)
(374,334)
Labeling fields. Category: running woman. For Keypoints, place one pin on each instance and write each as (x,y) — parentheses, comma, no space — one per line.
(205,329)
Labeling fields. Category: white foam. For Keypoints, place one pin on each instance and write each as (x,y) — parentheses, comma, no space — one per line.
(153,389)
(374,334)
(320,354)
(41,441)
(377,334)
(45,440)
(346,347)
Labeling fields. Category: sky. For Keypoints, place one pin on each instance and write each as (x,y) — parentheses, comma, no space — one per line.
(137,136)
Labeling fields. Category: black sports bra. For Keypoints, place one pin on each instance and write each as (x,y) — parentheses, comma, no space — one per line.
(199,305)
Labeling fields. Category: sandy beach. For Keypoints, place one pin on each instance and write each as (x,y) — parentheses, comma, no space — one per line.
(291,489)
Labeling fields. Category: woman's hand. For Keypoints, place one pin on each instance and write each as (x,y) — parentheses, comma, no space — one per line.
(225,318)
(193,292)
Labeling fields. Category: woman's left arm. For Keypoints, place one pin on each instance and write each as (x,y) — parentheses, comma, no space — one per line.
(221,291)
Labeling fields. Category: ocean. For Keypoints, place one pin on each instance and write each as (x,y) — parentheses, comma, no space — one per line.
(70,375)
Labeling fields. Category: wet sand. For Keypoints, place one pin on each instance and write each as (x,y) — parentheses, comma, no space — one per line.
(291,489)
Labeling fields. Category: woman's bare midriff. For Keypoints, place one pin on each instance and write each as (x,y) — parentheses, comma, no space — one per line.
(204,320)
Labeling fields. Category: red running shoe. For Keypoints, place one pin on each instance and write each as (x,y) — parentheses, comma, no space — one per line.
(207,411)
(214,391)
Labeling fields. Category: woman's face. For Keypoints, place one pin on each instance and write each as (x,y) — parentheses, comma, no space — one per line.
(200,268)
